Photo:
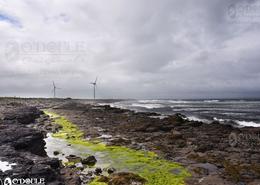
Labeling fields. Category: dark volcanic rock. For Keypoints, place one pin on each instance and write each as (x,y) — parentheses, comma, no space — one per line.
(126,178)
(23,145)
(52,162)
(22,138)
(24,115)
(176,138)
(98,171)
(56,153)
(111,170)
(123,178)
(45,171)
(33,143)
(91,161)
(201,146)
(73,158)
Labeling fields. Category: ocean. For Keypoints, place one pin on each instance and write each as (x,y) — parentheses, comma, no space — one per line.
(239,113)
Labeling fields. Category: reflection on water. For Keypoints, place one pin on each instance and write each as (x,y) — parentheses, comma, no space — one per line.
(4,166)
(65,149)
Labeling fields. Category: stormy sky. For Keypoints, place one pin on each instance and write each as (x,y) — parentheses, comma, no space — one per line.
(138,49)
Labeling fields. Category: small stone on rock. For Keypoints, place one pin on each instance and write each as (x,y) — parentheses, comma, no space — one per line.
(91,160)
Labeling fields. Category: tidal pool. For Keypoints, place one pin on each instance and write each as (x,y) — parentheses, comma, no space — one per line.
(70,140)
(4,166)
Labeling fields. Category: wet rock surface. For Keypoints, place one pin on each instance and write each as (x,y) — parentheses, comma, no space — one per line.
(90,160)
(123,178)
(23,115)
(23,146)
(207,150)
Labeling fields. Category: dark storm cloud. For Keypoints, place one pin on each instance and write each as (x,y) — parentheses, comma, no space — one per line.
(139,48)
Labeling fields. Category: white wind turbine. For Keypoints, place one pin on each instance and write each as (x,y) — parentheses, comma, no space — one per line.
(94,87)
(54,89)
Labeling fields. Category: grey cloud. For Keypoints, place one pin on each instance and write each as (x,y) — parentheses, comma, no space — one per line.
(139,49)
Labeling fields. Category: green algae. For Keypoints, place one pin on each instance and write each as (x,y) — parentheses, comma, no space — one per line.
(146,164)
(97,182)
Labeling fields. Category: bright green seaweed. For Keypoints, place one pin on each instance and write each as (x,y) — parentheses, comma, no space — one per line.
(146,164)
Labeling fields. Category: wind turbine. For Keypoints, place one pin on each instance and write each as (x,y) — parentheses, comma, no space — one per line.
(54,89)
(94,85)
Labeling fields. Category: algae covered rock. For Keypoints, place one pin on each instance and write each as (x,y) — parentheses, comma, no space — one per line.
(90,160)
(111,170)
(73,158)
(126,178)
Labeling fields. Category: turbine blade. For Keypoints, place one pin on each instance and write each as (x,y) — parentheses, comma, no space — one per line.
(96,79)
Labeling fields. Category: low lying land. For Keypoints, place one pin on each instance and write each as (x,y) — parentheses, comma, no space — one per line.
(195,152)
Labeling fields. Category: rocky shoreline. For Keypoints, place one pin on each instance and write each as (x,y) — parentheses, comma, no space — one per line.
(22,148)
(213,153)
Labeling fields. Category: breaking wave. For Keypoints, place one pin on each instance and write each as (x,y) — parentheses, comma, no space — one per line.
(148,105)
(247,123)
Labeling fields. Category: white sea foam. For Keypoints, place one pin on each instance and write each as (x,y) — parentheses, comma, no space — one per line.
(193,118)
(117,105)
(148,105)
(105,136)
(178,101)
(102,104)
(184,109)
(4,166)
(211,101)
(247,123)
(218,119)
(148,101)
(226,112)
(160,116)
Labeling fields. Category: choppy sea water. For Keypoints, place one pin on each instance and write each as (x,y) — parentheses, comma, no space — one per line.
(236,112)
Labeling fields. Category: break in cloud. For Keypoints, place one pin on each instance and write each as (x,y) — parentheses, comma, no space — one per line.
(138,48)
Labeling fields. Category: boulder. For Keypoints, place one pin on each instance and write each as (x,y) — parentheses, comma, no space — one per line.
(90,160)
(111,170)
(33,143)
(24,115)
(98,171)
(126,178)
(56,153)
(73,158)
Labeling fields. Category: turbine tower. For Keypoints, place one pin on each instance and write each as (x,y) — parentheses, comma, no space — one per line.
(94,87)
(54,89)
